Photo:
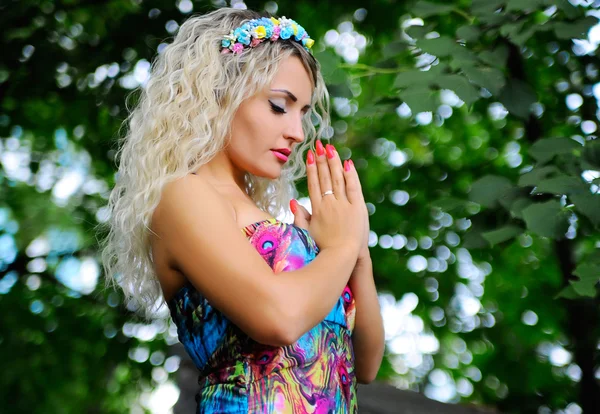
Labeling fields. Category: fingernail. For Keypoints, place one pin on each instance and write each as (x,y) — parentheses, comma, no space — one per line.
(346,165)
(293,205)
(310,158)
(351,163)
(329,149)
(320,149)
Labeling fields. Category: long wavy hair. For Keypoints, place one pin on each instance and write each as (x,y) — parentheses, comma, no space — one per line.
(180,122)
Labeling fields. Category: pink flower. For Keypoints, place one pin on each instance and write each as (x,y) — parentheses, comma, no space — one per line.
(237,48)
(255,42)
(276,31)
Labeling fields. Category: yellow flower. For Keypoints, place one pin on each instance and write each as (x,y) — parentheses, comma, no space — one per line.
(309,43)
(295,29)
(261,32)
(275,21)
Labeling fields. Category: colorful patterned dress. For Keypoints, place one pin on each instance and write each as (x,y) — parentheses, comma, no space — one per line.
(240,375)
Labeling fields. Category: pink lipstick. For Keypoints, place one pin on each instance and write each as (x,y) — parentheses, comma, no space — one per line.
(280,155)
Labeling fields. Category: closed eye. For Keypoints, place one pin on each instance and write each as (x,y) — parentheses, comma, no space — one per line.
(277,109)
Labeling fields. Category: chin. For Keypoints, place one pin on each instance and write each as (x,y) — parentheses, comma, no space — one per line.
(270,174)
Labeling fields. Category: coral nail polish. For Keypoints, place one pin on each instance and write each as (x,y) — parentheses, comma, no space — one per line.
(320,149)
(329,149)
(293,205)
(346,165)
(310,158)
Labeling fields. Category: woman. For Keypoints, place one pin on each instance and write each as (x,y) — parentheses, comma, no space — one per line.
(214,146)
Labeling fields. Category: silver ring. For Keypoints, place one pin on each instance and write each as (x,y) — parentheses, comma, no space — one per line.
(326,193)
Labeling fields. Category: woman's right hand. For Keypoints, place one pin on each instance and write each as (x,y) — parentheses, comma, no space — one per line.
(337,219)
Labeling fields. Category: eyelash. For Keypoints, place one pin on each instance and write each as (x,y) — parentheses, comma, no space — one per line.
(277,109)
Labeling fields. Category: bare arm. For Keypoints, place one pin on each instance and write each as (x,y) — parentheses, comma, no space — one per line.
(207,246)
(368,337)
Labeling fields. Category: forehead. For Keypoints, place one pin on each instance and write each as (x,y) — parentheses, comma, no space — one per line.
(292,76)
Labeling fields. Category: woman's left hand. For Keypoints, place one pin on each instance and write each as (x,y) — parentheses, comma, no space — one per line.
(302,219)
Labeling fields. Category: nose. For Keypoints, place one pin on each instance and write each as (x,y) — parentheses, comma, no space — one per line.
(294,129)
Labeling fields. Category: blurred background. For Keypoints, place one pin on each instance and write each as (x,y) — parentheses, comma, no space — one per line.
(473,126)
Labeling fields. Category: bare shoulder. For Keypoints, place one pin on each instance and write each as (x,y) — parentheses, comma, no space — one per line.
(177,196)
(198,232)
(185,192)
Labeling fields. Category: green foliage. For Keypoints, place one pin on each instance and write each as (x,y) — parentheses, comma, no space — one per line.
(501,206)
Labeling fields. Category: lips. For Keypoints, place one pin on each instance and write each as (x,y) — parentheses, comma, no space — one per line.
(279,155)
(282,153)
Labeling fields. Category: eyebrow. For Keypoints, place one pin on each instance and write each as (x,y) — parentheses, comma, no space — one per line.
(291,95)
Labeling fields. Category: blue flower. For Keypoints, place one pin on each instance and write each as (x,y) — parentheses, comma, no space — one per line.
(300,33)
(286,32)
(242,36)
(225,43)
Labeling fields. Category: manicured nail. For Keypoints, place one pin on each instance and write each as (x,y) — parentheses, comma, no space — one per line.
(293,205)
(351,163)
(346,165)
(330,149)
(310,158)
(320,149)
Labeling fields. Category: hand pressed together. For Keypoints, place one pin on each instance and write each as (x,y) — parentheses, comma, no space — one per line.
(338,219)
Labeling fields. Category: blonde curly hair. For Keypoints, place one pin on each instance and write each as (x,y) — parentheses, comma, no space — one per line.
(180,122)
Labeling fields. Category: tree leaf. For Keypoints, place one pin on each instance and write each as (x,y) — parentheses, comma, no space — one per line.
(545,149)
(419,32)
(419,99)
(563,184)
(448,204)
(461,86)
(511,195)
(517,207)
(496,58)
(489,78)
(413,78)
(575,30)
(394,48)
(568,9)
(591,153)
(427,8)
(511,29)
(589,275)
(502,234)
(440,46)
(488,189)
(517,97)
(330,67)
(341,90)
(522,37)
(588,204)
(546,219)
(568,293)
(483,7)
(375,110)
(468,33)
(533,177)
(520,5)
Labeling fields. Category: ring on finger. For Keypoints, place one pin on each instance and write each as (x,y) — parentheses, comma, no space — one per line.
(326,193)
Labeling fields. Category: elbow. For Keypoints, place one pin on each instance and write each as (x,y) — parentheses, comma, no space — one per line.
(286,332)
(366,378)
(277,329)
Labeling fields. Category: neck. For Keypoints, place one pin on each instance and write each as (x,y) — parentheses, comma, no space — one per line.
(221,172)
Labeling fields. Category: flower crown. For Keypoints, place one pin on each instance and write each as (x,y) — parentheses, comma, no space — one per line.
(256,31)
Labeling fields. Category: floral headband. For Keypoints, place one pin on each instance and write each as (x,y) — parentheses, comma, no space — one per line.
(256,31)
